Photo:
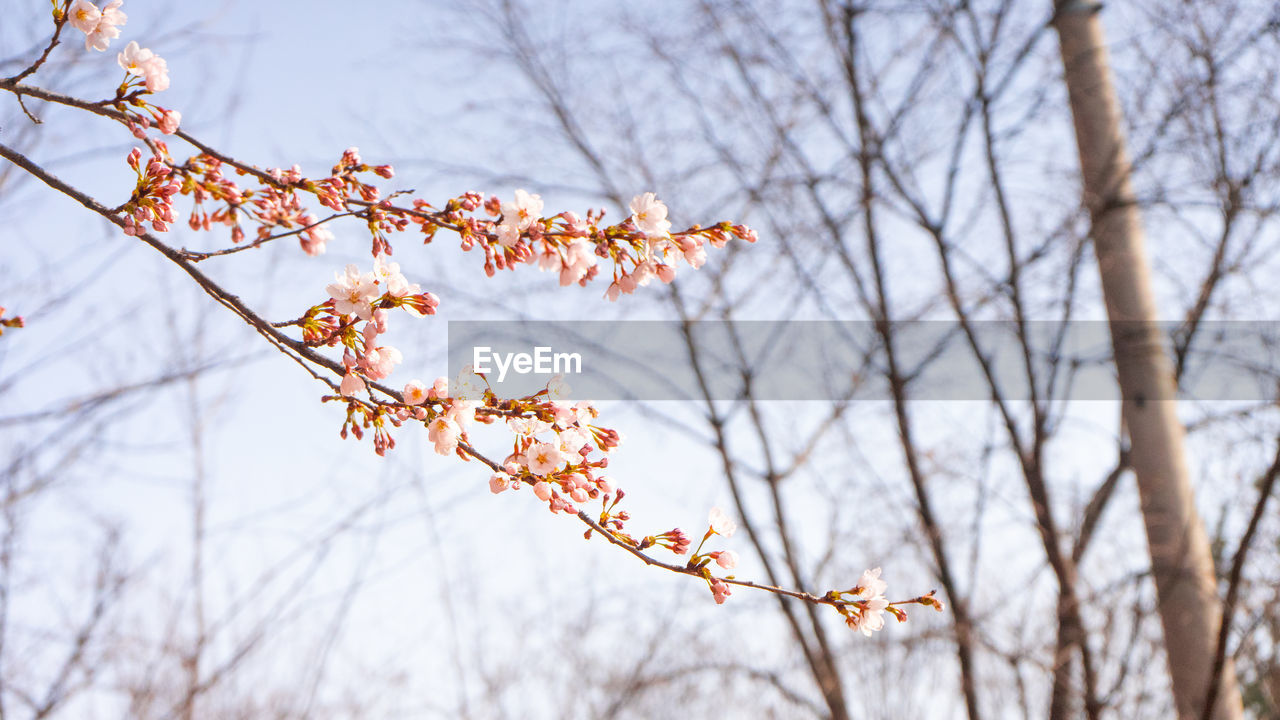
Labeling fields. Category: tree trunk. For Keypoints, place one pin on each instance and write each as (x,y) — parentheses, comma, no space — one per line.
(1180,557)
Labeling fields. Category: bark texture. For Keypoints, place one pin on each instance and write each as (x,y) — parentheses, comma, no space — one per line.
(1180,554)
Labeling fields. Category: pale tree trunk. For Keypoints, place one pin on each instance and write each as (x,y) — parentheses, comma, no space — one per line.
(1180,557)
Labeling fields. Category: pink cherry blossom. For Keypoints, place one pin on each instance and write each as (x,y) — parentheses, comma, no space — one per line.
(133,58)
(871,618)
(508,235)
(315,237)
(386,272)
(572,440)
(627,284)
(721,524)
(156,75)
(399,286)
(559,504)
(563,414)
(444,433)
(168,124)
(548,259)
(112,15)
(871,615)
(542,489)
(351,384)
(380,361)
(468,385)
(415,393)
(580,257)
(650,215)
(353,293)
(694,252)
(584,411)
(145,64)
(726,559)
(499,482)
(84,16)
(870,584)
(528,427)
(575,225)
(526,210)
(105,27)
(544,458)
(462,412)
(646,271)
(370,334)
(559,389)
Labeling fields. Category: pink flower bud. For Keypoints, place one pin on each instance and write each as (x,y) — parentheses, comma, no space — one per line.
(169,121)
(351,384)
(720,590)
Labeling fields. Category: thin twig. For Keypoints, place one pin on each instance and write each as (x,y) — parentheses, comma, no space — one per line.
(1266,486)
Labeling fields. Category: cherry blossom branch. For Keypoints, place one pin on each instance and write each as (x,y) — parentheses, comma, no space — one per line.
(693,568)
(859,604)
(100,107)
(196,256)
(561,473)
(283,342)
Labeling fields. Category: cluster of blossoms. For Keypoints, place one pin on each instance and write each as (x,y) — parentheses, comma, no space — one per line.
(355,298)
(867,613)
(864,605)
(571,245)
(100,27)
(641,247)
(152,199)
(355,316)
(555,452)
(717,524)
(276,204)
(146,72)
(556,449)
(554,439)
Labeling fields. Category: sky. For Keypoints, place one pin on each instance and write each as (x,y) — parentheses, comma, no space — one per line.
(399,586)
